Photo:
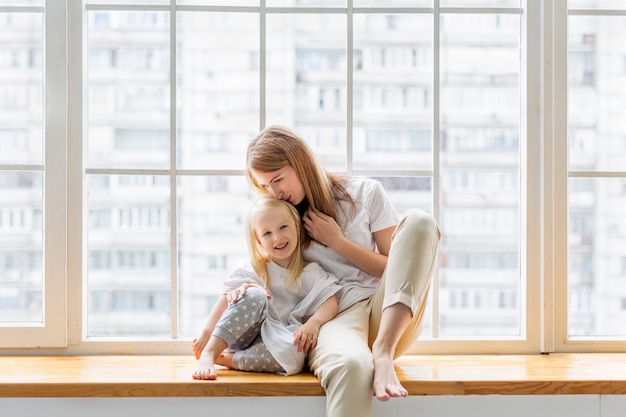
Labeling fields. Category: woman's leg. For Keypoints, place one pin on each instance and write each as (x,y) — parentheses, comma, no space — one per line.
(399,303)
(343,362)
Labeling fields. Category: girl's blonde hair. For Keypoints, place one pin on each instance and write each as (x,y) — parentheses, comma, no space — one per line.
(258,256)
(277,147)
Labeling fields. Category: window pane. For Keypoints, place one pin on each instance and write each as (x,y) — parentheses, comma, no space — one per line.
(218,88)
(481,3)
(306,78)
(212,244)
(21,88)
(218,2)
(597,93)
(409,192)
(129,93)
(128,255)
(306,3)
(392,3)
(21,3)
(480,176)
(393,91)
(21,143)
(21,247)
(596,4)
(597,192)
(126,2)
(597,260)
(328,143)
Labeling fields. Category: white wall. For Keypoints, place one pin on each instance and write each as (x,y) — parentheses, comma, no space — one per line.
(431,406)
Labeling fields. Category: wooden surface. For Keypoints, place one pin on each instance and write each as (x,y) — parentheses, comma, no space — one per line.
(170,376)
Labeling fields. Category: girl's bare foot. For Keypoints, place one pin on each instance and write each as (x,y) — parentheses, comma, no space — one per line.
(206,365)
(225,359)
(386,383)
(205,370)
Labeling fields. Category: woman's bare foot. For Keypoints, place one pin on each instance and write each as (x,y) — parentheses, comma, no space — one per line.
(386,383)
(394,321)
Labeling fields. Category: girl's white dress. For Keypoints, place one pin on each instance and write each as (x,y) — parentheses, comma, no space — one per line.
(288,308)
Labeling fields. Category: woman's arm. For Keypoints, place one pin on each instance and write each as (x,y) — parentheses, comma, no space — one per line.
(325,230)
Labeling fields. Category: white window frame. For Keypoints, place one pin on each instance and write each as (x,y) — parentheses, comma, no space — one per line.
(556,219)
(544,175)
(52,332)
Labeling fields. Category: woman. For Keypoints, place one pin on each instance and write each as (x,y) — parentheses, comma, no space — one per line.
(351,224)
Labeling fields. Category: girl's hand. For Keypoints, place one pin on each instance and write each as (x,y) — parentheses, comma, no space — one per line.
(321,227)
(198,344)
(236,294)
(305,337)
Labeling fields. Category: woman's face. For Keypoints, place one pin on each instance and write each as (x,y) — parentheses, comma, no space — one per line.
(283,184)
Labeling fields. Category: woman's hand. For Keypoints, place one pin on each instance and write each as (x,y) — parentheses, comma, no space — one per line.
(236,294)
(325,230)
(322,228)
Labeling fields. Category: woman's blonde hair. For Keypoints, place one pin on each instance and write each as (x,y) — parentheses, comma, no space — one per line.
(258,256)
(277,147)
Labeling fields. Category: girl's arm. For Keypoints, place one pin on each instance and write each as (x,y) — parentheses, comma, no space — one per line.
(306,335)
(199,343)
(325,230)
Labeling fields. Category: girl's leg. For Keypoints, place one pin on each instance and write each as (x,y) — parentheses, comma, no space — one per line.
(241,322)
(398,305)
(238,328)
(256,358)
(343,362)
(205,368)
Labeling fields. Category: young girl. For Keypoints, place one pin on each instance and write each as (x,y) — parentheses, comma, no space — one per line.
(270,312)
(383,262)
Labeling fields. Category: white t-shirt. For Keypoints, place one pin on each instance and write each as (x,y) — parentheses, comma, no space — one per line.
(373,212)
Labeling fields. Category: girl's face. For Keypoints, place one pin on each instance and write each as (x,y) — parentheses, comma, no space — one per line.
(283,184)
(277,234)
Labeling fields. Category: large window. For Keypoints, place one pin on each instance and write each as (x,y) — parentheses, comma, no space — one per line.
(123,136)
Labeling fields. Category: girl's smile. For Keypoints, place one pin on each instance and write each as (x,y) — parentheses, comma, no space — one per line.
(277,234)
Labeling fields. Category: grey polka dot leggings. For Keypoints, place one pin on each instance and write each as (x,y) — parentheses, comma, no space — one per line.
(240,328)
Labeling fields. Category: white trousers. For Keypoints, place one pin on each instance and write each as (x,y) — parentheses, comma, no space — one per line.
(343,358)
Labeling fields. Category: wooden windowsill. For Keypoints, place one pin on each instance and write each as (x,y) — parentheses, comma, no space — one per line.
(170,376)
